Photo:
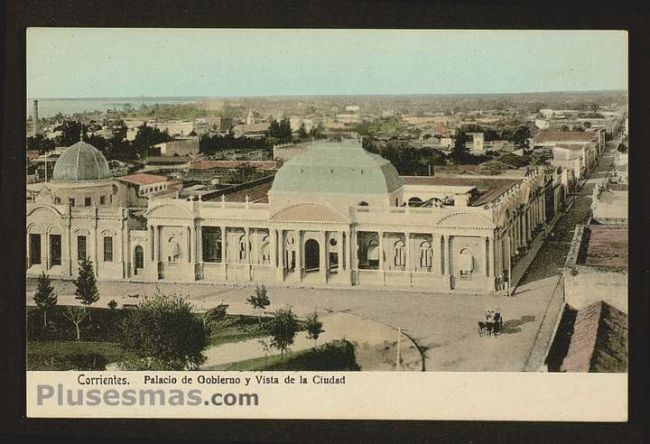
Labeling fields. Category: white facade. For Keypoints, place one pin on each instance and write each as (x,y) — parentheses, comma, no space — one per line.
(337,238)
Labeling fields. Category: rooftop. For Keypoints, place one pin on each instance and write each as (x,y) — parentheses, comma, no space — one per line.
(337,168)
(143,179)
(597,340)
(611,204)
(257,194)
(490,188)
(607,246)
(81,162)
(565,136)
(212,164)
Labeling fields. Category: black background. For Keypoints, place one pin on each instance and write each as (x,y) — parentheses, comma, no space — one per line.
(550,14)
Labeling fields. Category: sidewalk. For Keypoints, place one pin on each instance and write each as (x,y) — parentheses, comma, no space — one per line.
(376,345)
(520,268)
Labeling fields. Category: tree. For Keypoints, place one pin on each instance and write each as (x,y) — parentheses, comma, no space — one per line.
(259,300)
(314,327)
(283,329)
(460,152)
(164,333)
(302,132)
(280,130)
(76,314)
(45,297)
(86,284)
(146,137)
(112,304)
(70,132)
(622,148)
(40,143)
(317,131)
(521,136)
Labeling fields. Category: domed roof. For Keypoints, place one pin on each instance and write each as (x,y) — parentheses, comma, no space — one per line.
(337,167)
(81,162)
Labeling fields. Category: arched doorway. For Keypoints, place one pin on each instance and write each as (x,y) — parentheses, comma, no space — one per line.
(415,202)
(138,259)
(312,255)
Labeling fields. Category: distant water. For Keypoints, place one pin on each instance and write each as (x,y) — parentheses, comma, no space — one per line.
(50,107)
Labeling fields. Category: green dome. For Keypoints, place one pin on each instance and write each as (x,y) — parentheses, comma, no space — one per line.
(81,162)
(339,168)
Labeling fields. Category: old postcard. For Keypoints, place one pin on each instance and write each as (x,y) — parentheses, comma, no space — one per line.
(401,224)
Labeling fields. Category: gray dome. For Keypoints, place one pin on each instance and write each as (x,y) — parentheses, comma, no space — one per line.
(81,162)
(339,168)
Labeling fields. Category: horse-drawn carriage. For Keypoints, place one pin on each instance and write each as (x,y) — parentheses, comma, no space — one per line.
(493,324)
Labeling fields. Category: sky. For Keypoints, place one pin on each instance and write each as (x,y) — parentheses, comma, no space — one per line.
(120,62)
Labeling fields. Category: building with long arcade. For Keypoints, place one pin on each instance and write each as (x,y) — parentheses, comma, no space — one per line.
(334,216)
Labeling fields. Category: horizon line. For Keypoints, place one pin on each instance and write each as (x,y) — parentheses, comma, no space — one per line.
(334,95)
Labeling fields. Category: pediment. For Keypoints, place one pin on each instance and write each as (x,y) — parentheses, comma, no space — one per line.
(168,211)
(44,209)
(468,220)
(309,213)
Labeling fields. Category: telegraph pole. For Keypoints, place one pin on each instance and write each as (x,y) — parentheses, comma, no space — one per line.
(399,341)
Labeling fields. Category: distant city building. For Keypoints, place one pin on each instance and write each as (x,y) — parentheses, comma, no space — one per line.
(579,158)
(179,147)
(477,143)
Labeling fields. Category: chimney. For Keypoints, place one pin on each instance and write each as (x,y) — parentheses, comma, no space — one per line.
(35,117)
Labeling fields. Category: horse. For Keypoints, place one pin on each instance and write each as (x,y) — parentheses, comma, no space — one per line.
(485,327)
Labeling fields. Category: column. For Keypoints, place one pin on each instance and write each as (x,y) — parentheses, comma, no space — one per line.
(45,251)
(381,250)
(407,237)
(274,246)
(224,251)
(156,253)
(445,251)
(190,238)
(436,254)
(322,260)
(298,247)
(198,236)
(152,253)
(68,244)
(94,240)
(490,261)
(124,245)
(354,250)
(341,249)
(247,246)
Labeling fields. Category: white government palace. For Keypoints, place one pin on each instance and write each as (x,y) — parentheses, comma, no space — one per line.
(335,216)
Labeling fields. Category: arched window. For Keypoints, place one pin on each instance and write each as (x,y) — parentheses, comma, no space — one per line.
(426,255)
(175,250)
(466,262)
(399,257)
(138,259)
(211,238)
(265,253)
(242,248)
(363,203)
(415,202)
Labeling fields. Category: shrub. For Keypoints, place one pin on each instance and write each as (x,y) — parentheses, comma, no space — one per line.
(164,333)
(336,355)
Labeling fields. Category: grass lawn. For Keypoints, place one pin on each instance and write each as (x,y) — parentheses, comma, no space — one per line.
(236,328)
(334,355)
(72,355)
